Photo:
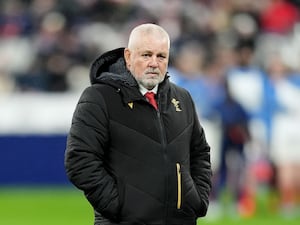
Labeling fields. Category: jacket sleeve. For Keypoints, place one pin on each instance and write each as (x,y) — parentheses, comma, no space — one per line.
(84,156)
(200,165)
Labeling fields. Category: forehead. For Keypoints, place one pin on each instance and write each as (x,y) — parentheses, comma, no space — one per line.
(152,43)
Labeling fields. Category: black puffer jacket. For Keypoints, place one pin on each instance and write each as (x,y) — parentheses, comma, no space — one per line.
(137,165)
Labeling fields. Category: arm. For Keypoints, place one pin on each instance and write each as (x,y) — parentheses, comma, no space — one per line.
(200,165)
(84,157)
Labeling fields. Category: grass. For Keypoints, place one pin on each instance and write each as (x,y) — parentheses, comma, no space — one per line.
(252,221)
(31,206)
(64,206)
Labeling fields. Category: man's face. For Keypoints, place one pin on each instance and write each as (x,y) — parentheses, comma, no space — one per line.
(148,60)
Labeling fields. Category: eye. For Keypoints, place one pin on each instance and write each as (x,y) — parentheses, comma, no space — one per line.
(161,57)
(146,55)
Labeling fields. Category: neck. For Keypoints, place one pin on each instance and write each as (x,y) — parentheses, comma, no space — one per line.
(143,89)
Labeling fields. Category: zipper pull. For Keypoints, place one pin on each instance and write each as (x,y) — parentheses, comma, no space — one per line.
(178,186)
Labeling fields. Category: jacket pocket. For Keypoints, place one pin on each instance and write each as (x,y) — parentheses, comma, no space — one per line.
(188,200)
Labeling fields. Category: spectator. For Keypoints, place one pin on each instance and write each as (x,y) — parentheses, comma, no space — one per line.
(279,16)
(285,141)
(235,134)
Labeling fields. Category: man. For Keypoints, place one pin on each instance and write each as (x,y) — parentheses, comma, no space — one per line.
(139,163)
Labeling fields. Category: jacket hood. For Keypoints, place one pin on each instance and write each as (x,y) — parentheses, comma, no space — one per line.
(110,68)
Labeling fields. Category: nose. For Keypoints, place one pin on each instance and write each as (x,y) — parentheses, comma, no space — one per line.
(153,62)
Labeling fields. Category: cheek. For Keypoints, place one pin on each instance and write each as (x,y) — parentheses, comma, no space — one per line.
(140,66)
(163,68)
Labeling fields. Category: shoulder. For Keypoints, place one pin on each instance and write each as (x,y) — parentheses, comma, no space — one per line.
(94,92)
(91,104)
(179,90)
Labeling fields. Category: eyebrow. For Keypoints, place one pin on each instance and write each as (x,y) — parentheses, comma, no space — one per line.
(151,52)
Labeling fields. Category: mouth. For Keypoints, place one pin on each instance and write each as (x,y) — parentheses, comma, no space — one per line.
(152,76)
(154,73)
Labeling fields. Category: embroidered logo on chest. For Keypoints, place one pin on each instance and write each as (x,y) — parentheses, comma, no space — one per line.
(176,105)
(130,104)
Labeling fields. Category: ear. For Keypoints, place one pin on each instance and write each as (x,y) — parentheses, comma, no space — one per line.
(127,57)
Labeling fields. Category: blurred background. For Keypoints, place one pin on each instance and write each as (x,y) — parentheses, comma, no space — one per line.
(240,60)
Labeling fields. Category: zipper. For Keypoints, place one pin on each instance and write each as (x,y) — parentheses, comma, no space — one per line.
(178,185)
(164,144)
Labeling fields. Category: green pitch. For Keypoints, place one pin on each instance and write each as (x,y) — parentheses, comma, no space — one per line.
(49,206)
(67,206)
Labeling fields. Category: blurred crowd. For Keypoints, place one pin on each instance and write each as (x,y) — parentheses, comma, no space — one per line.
(240,60)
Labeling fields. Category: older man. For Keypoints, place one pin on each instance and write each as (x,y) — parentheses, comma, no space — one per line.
(135,146)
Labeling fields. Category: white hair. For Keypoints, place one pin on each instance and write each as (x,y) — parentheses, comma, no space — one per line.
(146,29)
